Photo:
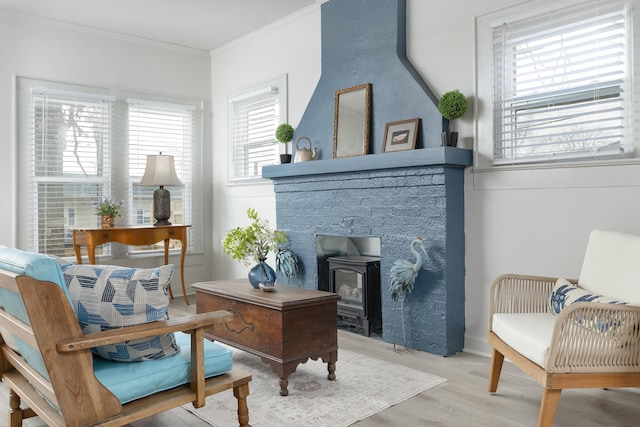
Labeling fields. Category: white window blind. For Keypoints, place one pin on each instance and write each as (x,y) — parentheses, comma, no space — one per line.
(66,167)
(160,128)
(76,148)
(253,119)
(562,84)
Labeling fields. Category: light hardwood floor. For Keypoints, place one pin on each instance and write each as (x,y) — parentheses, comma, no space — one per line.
(461,401)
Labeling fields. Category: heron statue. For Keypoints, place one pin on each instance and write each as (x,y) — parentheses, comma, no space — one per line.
(403,276)
(404,273)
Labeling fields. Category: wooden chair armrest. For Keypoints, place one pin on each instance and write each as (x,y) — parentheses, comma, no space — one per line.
(595,337)
(185,324)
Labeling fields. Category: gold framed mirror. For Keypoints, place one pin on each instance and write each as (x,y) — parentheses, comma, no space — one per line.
(351,121)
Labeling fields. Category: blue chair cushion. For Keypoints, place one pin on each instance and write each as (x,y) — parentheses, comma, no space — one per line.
(109,297)
(131,381)
(38,266)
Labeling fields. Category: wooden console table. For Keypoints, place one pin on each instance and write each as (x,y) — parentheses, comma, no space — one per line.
(285,327)
(136,235)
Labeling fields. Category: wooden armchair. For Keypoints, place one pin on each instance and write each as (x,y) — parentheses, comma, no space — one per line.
(588,344)
(68,393)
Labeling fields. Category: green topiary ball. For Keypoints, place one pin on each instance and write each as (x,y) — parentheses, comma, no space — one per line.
(452,105)
(284,133)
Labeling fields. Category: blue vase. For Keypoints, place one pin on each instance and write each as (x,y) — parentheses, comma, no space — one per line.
(262,273)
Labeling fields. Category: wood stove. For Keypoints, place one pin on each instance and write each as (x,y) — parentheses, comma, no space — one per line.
(357,280)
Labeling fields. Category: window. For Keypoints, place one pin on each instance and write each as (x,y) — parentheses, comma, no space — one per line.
(562,82)
(254,115)
(156,127)
(77,145)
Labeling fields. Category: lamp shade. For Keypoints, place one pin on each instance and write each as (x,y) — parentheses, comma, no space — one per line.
(160,171)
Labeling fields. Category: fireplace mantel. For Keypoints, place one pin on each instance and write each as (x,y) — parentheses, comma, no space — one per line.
(438,156)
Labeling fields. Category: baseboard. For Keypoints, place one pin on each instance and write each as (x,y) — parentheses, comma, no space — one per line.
(475,345)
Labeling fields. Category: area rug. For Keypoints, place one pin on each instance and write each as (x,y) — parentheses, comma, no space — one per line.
(363,387)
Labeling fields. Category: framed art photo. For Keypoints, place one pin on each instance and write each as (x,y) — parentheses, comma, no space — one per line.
(400,136)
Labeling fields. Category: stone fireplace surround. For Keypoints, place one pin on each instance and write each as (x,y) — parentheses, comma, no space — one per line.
(392,196)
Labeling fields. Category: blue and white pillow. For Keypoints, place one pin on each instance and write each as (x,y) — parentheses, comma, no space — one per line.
(110,297)
(565,293)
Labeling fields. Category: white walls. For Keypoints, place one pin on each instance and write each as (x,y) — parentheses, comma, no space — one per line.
(45,50)
(290,46)
(531,221)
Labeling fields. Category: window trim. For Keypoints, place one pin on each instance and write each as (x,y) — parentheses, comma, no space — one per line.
(483,142)
(281,83)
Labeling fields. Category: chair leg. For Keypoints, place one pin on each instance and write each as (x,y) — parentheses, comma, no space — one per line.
(241,392)
(550,399)
(15,413)
(496,367)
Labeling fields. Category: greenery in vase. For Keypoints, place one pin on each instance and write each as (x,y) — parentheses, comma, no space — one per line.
(452,105)
(254,242)
(109,207)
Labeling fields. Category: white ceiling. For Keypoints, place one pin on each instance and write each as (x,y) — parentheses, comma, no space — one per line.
(199,24)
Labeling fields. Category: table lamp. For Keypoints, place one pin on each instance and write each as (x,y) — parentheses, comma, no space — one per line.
(160,171)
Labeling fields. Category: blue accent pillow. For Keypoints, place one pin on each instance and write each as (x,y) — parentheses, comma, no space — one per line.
(109,297)
(565,293)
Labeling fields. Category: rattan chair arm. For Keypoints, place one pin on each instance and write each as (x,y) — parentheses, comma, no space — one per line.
(595,337)
(517,293)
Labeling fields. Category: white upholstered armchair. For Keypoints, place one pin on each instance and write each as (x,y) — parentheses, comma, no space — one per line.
(568,336)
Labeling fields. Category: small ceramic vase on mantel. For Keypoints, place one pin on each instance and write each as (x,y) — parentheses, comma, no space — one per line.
(107,221)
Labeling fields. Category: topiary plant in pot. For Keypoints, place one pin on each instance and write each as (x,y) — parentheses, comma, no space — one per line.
(452,105)
(284,134)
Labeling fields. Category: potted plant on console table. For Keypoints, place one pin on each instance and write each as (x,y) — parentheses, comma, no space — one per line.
(253,243)
(108,210)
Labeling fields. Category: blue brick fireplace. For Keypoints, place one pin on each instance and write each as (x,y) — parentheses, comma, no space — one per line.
(393,197)
(422,197)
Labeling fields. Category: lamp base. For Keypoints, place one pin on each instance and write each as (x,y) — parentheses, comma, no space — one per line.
(162,206)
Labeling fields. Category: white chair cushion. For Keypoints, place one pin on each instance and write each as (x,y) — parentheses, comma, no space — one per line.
(611,266)
(527,333)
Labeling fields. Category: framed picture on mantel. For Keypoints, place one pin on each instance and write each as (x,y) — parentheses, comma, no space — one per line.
(400,136)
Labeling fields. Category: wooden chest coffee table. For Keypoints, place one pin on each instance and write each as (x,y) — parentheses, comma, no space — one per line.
(285,327)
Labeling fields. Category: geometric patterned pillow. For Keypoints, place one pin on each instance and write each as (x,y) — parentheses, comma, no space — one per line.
(565,293)
(110,297)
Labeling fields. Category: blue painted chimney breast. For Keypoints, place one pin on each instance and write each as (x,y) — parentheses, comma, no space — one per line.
(364,41)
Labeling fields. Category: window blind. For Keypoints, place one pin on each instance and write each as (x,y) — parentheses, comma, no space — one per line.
(75,148)
(253,119)
(67,166)
(153,128)
(562,84)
